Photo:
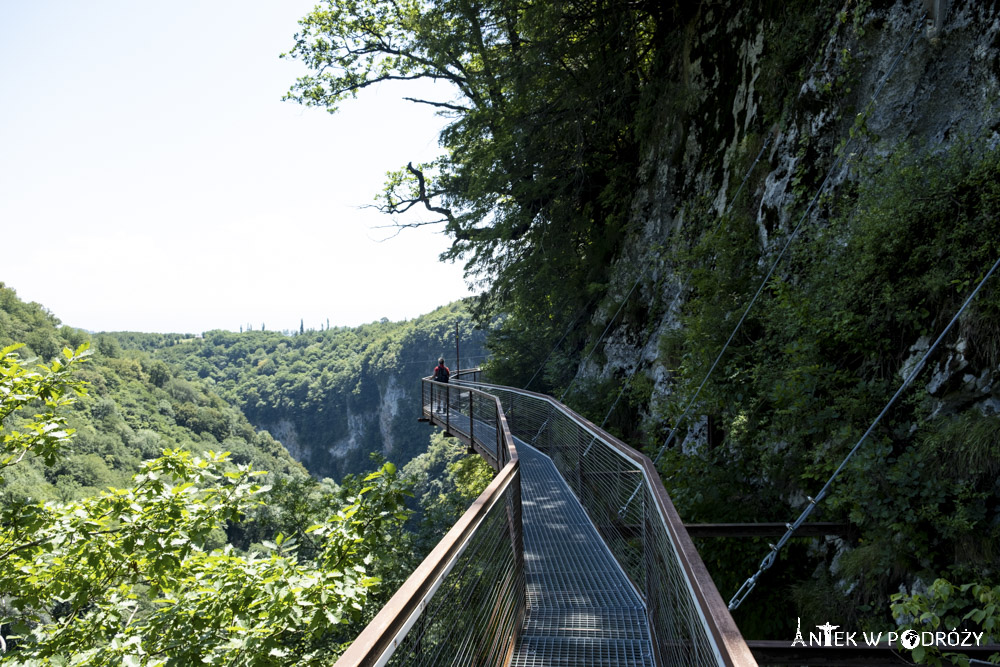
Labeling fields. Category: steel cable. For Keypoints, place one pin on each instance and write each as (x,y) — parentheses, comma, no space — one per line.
(683,287)
(557,344)
(791,237)
(749,584)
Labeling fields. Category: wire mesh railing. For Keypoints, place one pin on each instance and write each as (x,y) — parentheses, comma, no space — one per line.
(473,617)
(464,604)
(469,374)
(622,493)
(468,414)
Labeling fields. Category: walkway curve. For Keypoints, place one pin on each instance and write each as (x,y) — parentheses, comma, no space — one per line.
(582,609)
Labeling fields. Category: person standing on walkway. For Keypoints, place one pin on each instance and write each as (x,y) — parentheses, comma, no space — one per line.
(441,374)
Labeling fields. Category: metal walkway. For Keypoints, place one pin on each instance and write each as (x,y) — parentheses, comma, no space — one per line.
(572,556)
(582,609)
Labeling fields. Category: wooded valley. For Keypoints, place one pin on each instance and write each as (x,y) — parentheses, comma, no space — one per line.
(725,231)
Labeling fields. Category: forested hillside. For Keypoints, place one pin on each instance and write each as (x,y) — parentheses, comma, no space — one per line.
(733,228)
(331,397)
(136,406)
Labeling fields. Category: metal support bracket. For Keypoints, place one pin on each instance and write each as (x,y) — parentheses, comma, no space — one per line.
(937,12)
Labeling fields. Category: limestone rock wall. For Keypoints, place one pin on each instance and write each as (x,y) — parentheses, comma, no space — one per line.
(723,100)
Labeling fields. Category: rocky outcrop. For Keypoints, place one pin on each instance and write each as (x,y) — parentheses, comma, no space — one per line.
(943,83)
(284,432)
(394,399)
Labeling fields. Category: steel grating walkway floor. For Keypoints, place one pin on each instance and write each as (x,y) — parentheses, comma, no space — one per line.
(582,609)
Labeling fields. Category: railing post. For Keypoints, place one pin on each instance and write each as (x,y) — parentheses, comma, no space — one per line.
(421,626)
(579,472)
(447,409)
(472,420)
(548,433)
(426,400)
(496,427)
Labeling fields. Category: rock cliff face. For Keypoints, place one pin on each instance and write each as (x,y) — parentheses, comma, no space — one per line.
(773,121)
(336,396)
(872,75)
(381,417)
(392,407)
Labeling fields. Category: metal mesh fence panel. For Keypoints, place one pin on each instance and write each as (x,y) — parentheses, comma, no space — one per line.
(619,499)
(473,617)
(465,603)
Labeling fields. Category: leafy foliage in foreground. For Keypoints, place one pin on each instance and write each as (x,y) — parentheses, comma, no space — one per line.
(129,576)
(135,407)
(944,606)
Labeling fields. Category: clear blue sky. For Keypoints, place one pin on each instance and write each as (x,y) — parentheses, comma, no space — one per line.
(151,178)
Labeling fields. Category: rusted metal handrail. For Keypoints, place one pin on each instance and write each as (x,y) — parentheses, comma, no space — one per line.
(469,374)
(465,602)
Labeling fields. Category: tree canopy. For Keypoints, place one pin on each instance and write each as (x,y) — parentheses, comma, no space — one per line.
(129,576)
(540,152)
